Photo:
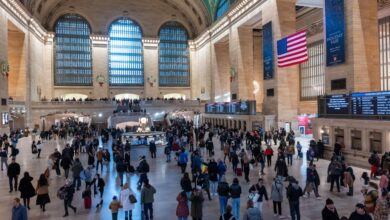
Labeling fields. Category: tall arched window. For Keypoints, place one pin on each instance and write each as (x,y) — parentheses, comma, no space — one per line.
(126,62)
(223,7)
(173,54)
(73,58)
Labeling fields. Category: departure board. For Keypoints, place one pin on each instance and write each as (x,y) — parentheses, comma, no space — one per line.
(240,107)
(337,104)
(371,103)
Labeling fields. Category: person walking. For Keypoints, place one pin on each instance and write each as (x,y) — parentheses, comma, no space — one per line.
(99,159)
(382,209)
(125,201)
(114,206)
(76,170)
(183,160)
(384,181)
(360,213)
(13,172)
(39,148)
(294,192)
(269,153)
(228,214)
(310,182)
(235,193)
(152,149)
(197,199)
(213,176)
(290,153)
(98,185)
(252,213)
(26,189)
(66,164)
(223,193)
(329,212)
(259,188)
(19,212)
(182,209)
(277,195)
(68,188)
(147,199)
(334,172)
(281,168)
(3,158)
(42,190)
(349,179)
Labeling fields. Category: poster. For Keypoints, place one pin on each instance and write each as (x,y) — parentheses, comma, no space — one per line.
(334,32)
(268,53)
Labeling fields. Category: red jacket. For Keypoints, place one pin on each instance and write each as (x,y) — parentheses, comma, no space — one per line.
(268,152)
(182,208)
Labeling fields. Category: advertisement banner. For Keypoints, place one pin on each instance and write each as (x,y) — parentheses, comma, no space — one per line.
(268,51)
(334,32)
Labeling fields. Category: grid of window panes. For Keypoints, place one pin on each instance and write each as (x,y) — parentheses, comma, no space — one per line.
(126,62)
(173,54)
(223,7)
(384,52)
(73,58)
(312,72)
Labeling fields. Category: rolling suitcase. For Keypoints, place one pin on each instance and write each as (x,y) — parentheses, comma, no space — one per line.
(87,202)
(239,172)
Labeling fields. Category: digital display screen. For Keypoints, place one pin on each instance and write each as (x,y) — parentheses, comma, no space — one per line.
(241,107)
(4,118)
(371,103)
(337,104)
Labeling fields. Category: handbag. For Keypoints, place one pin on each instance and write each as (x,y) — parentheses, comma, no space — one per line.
(132,199)
(254,196)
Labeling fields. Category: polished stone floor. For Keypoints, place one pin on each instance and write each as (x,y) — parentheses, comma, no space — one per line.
(166,178)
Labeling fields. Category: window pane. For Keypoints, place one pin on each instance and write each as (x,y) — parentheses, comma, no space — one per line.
(126,62)
(223,7)
(384,52)
(73,62)
(312,72)
(174,62)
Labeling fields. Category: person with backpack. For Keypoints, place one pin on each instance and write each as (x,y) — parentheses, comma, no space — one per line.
(98,184)
(66,193)
(294,192)
(86,175)
(259,189)
(147,199)
(228,214)
(290,153)
(223,193)
(235,193)
(124,198)
(42,190)
(143,169)
(13,172)
(374,161)
(334,172)
(182,209)
(183,160)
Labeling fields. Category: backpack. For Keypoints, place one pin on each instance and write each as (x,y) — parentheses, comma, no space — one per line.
(167,150)
(62,193)
(182,159)
(146,167)
(371,160)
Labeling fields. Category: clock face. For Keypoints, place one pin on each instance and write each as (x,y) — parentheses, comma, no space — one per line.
(144,120)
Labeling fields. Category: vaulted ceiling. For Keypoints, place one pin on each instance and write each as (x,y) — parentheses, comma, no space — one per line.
(150,14)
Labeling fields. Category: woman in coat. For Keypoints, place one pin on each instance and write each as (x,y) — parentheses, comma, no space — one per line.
(281,168)
(26,189)
(182,210)
(277,195)
(42,192)
(125,202)
(197,199)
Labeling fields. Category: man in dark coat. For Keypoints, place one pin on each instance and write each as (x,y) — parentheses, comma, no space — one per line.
(281,168)
(13,174)
(329,212)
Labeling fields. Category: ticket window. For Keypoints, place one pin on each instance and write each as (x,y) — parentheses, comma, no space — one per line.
(339,136)
(356,140)
(376,141)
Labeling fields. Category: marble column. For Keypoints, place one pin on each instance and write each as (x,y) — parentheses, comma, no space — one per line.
(151,71)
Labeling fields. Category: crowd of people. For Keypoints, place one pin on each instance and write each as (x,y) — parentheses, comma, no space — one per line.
(203,174)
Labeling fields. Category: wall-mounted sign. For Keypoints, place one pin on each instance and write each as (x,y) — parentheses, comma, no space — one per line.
(334,32)
(268,51)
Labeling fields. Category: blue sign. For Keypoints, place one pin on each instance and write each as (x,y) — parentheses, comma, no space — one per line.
(335,32)
(268,51)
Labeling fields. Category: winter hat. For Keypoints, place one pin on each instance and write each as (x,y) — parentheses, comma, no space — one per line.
(329,201)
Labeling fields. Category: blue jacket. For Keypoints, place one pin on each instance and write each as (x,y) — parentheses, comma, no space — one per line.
(19,213)
(310,177)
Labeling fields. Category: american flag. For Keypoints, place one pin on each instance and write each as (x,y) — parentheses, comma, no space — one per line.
(292,49)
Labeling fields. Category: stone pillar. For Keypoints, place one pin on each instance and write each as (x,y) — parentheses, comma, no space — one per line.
(361,67)
(3,57)
(365,140)
(100,66)
(285,83)
(221,68)
(258,70)
(151,70)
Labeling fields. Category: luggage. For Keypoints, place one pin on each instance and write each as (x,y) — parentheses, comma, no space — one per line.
(239,172)
(300,155)
(87,202)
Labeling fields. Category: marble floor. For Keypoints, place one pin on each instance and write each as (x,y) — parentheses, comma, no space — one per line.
(165,177)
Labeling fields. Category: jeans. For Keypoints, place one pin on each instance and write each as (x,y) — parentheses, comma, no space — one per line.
(148,210)
(120,174)
(101,165)
(115,216)
(68,203)
(128,215)
(260,206)
(236,208)
(289,159)
(66,173)
(77,182)
(294,210)
(39,153)
(277,207)
(333,179)
(182,218)
(222,204)
(168,157)
(262,165)
(15,178)
(213,186)
(4,161)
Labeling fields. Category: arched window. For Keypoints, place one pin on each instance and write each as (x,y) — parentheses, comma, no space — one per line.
(73,58)
(173,54)
(126,62)
(223,7)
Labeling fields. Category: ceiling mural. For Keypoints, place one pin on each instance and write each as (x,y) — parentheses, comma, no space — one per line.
(212,6)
